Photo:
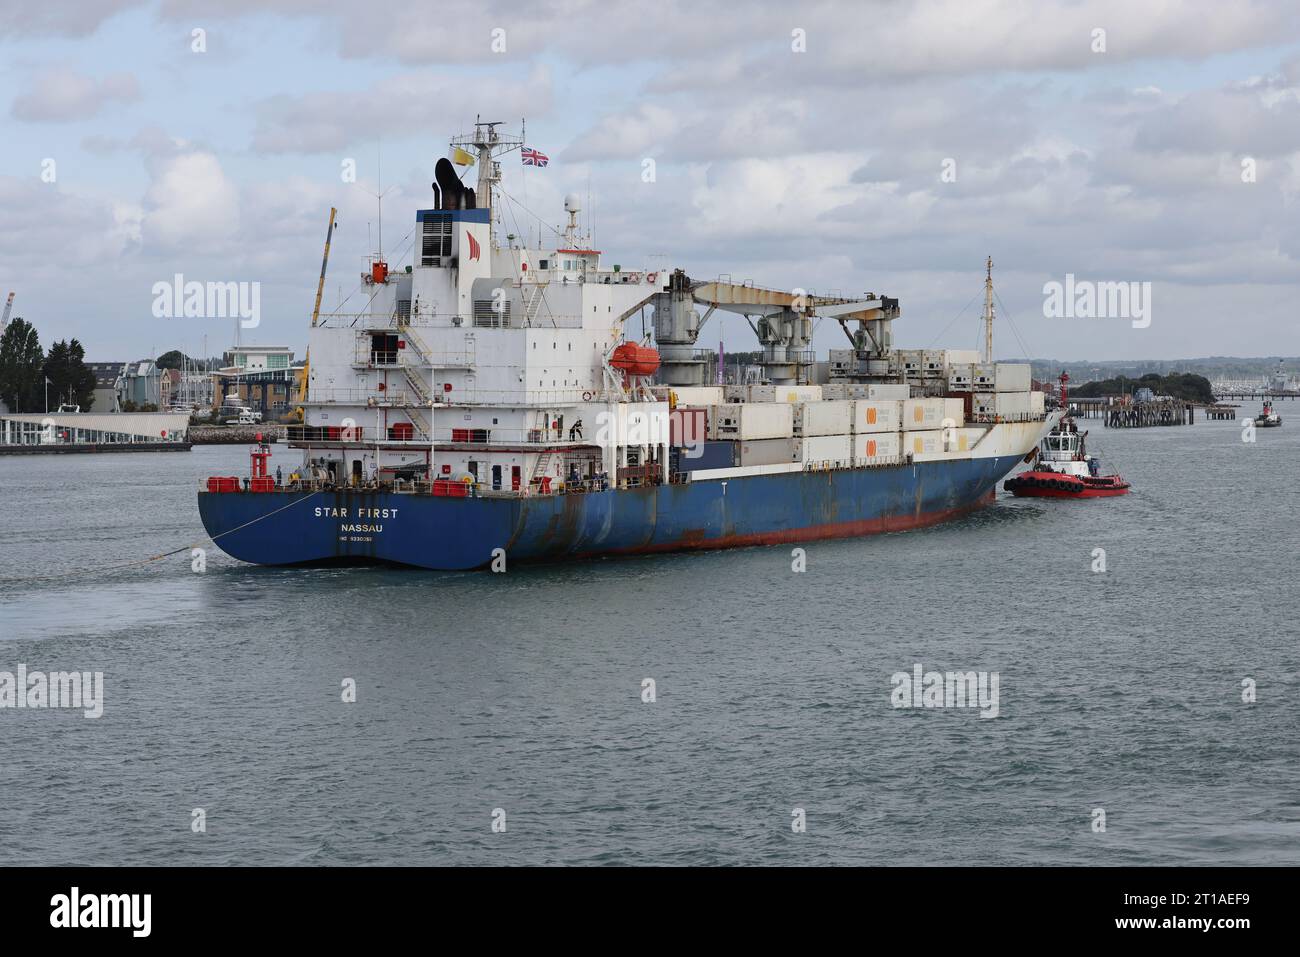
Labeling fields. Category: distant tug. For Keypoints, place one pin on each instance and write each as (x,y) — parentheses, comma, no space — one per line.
(1267,418)
(1064,469)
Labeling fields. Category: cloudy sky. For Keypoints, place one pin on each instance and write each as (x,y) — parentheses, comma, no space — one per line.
(845,146)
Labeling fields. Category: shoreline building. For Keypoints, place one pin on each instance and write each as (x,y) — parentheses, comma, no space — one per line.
(263,378)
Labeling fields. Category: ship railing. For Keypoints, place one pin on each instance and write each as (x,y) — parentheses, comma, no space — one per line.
(485,438)
(533,398)
(989,418)
(345,432)
(364,397)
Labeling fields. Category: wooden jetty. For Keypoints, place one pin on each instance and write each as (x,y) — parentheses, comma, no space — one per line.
(1121,412)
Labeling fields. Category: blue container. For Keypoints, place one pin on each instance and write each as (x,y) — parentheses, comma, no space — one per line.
(711,455)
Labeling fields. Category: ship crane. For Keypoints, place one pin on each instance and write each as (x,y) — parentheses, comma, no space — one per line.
(782,321)
(9,307)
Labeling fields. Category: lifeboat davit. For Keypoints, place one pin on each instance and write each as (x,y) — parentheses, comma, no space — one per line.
(632,359)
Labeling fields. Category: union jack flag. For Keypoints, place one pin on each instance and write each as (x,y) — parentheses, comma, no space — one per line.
(534,158)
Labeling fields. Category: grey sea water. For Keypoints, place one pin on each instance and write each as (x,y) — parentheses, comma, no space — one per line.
(1119,690)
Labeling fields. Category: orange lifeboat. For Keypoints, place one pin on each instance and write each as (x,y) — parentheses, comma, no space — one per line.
(632,359)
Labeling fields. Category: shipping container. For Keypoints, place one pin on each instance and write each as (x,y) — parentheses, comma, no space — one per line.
(835,391)
(752,420)
(940,441)
(834,451)
(1008,405)
(934,364)
(876,448)
(768,452)
(687,426)
(871,416)
(842,362)
(962,357)
(785,393)
(707,455)
(698,394)
(886,391)
(823,418)
(1012,377)
(961,377)
(924,443)
(923,414)
(1037,403)
(1002,377)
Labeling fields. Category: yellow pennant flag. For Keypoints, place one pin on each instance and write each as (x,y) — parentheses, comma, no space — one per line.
(460,157)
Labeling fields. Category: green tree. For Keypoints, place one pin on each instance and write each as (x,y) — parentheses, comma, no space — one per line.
(173,360)
(21,358)
(70,379)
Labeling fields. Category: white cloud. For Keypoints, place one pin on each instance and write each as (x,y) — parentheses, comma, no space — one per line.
(60,95)
(191,206)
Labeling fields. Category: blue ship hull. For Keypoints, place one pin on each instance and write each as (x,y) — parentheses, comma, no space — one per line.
(357,526)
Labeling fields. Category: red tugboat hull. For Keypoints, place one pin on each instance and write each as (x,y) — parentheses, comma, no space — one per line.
(1057,485)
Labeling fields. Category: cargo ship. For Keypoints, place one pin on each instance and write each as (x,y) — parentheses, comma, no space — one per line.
(492,401)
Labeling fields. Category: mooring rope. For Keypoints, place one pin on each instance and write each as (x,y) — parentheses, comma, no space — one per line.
(167,554)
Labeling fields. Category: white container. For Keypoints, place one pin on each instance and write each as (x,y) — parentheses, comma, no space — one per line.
(1007,405)
(872,417)
(842,361)
(747,421)
(698,394)
(1012,377)
(785,393)
(934,364)
(835,392)
(768,452)
(1037,403)
(876,448)
(823,418)
(923,443)
(911,361)
(833,451)
(962,357)
(961,377)
(888,391)
(923,414)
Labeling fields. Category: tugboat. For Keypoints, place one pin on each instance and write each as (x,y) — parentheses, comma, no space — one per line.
(1064,469)
(1268,419)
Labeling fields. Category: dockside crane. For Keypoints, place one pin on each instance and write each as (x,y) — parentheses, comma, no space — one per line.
(9,307)
(315,316)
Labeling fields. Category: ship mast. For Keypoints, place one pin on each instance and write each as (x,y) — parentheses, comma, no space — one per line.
(488,144)
(988,311)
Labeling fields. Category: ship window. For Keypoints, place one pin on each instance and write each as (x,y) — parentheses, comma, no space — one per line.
(543,264)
